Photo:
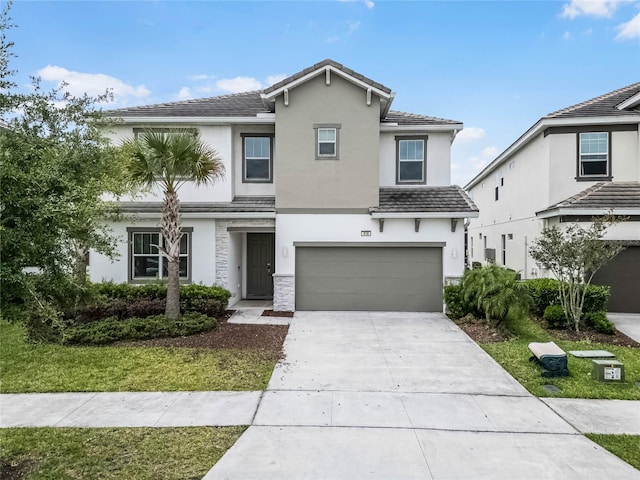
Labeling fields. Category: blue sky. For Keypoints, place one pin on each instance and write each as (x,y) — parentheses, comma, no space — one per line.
(496,66)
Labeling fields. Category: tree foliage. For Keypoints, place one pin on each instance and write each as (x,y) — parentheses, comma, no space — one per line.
(496,292)
(169,160)
(55,164)
(574,254)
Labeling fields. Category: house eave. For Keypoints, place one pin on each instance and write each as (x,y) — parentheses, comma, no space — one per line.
(263,118)
(561,212)
(435,215)
(538,128)
(208,215)
(442,127)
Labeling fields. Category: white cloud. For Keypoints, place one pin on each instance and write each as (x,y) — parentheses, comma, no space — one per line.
(630,29)
(490,152)
(470,134)
(588,32)
(94,84)
(369,4)
(353,26)
(271,79)
(238,84)
(590,8)
(198,78)
(333,39)
(566,36)
(185,93)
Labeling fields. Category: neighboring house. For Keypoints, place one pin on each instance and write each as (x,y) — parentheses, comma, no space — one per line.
(573,164)
(331,200)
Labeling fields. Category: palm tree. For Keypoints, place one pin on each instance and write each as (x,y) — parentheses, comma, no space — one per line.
(171,159)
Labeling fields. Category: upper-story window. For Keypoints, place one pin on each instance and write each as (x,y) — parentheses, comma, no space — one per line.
(257,162)
(410,159)
(327,141)
(593,157)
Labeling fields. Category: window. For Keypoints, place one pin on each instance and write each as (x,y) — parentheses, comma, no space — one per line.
(327,141)
(410,154)
(497,193)
(145,260)
(503,241)
(257,164)
(593,156)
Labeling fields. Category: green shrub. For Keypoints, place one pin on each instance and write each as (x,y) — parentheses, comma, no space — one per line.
(544,292)
(596,299)
(457,306)
(555,317)
(496,292)
(599,322)
(113,329)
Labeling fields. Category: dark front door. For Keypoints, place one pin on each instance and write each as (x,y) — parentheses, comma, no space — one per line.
(260,264)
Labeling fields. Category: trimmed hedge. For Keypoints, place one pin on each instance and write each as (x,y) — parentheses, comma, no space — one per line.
(555,317)
(545,292)
(113,329)
(600,323)
(457,306)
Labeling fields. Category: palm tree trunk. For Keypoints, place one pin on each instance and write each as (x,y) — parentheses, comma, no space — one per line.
(172,232)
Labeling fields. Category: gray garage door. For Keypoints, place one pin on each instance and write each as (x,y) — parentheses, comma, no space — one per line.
(622,274)
(369,278)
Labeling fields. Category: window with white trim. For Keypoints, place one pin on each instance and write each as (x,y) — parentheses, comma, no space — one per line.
(147,263)
(593,157)
(410,162)
(257,158)
(327,142)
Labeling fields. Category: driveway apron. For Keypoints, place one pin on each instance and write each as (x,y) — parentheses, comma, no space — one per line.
(384,395)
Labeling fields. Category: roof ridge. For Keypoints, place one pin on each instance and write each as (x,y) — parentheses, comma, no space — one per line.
(591,101)
(186,102)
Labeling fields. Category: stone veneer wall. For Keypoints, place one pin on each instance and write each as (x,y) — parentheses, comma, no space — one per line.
(284,293)
(222,243)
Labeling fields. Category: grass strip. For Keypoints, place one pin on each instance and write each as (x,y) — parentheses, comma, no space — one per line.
(627,447)
(26,368)
(513,355)
(114,453)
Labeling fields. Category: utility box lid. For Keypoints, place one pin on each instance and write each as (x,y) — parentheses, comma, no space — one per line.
(591,354)
(608,371)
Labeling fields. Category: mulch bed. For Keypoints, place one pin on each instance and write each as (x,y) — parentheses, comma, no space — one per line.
(266,339)
(277,313)
(481,332)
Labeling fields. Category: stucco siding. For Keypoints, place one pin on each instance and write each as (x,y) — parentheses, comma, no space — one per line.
(438,152)
(352,180)
(247,188)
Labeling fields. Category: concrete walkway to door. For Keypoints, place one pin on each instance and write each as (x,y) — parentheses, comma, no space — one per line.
(403,396)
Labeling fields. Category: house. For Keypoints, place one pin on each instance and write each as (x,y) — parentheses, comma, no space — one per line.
(332,201)
(571,165)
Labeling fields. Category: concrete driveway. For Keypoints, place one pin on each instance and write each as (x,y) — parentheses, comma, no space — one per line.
(627,323)
(403,396)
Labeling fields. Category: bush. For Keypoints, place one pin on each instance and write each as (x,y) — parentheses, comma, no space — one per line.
(599,322)
(496,292)
(555,317)
(457,306)
(544,292)
(113,329)
(596,299)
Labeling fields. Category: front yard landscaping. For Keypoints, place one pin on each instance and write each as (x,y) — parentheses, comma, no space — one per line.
(232,357)
(113,453)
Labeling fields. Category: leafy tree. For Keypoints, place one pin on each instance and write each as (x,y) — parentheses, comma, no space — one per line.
(496,292)
(170,159)
(55,165)
(574,255)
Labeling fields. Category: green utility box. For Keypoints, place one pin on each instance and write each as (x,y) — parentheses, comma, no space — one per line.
(608,371)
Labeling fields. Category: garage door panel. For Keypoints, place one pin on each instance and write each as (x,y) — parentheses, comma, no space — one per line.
(369,278)
(622,274)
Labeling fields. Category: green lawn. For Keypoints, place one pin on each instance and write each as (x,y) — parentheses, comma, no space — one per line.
(26,367)
(627,447)
(114,453)
(513,355)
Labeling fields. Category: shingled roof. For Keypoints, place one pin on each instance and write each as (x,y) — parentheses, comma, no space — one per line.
(324,63)
(428,199)
(251,104)
(238,205)
(602,196)
(602,106)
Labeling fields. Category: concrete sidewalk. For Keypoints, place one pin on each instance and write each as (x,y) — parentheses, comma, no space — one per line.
(371,395)
(394,395)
